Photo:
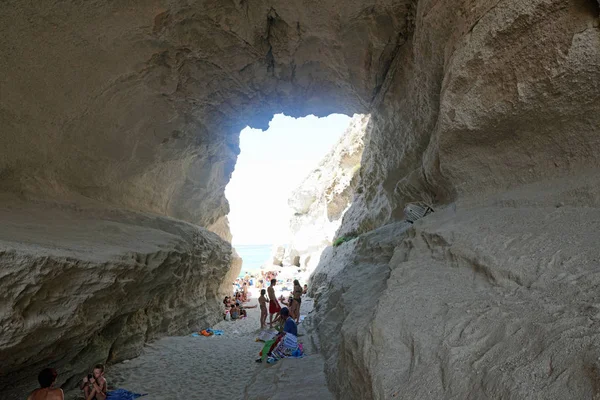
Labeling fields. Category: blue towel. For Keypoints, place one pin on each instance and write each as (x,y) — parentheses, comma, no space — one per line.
(122,394)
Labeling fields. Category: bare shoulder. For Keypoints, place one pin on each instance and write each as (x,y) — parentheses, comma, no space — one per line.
(58,394)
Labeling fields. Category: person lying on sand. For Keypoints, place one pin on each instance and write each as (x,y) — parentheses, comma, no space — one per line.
(47,378)
(94,385)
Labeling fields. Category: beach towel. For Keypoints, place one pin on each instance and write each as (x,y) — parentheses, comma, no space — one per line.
(265,350)
(216,332)
(122,394)
(287,347)
(265,335)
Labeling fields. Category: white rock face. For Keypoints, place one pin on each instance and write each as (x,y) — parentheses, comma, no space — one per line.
(325,194)
(485,299)
(83,284)
(135,107)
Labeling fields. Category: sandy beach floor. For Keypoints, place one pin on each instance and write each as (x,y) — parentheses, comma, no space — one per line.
(219,367)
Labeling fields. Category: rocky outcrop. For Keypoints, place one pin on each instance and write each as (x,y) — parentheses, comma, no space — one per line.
(322,198)
(492,299)
(490,113)
(82,284)
(138,108)
(480,98)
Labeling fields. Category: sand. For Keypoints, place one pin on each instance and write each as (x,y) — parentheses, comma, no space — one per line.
(221,367)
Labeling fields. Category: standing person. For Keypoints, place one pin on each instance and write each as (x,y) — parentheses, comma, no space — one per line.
(245,292)
(274,306)
(47,378)
(295,311)
(262,300)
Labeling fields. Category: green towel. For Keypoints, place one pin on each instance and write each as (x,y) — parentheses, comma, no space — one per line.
(266,348)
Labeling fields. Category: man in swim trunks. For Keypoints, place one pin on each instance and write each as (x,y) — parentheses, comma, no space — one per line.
(274,306)
(46,378)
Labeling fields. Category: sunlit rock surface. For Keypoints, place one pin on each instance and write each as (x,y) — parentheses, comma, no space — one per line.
(324,195)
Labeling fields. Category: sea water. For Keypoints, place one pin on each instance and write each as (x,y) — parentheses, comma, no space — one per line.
(254,256)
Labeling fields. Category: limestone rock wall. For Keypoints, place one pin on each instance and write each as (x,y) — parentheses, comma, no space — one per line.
(140,105)
(136,108)
(490,113)
(82,284)
(484,299)
(325,194)
(482,97)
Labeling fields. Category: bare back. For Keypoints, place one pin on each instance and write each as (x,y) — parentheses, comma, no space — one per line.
(47,394)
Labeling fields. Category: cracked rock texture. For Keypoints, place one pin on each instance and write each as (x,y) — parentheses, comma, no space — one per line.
(120,118)
(324,196)
(491,114)
(83,285)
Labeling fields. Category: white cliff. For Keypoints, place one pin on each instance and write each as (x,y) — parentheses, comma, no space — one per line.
(325,194)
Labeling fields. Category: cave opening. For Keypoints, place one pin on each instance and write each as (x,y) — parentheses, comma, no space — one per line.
(271,171)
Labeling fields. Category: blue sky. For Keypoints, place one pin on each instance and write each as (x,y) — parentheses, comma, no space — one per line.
(271,165)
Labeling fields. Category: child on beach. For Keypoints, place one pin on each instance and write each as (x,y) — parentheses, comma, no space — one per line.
(262,300)
(234,312)
(94,385)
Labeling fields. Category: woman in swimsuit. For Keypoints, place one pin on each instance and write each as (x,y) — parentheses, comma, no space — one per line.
(295,309)
(262,300)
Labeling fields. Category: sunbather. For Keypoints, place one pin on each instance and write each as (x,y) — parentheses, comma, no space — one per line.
(46,378)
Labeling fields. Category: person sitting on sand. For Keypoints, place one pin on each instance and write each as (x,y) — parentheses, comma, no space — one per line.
(47,378)
(274,306)
(289,325)
(234,312)
(262,300)
(94,385)
(242,309)
(286,342)
(305,290)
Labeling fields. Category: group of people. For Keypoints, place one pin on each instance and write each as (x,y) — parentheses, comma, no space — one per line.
(234,308)
(285,343)
(94,385)
(274,307)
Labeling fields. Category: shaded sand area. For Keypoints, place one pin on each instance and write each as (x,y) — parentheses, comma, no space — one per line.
(221,367)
